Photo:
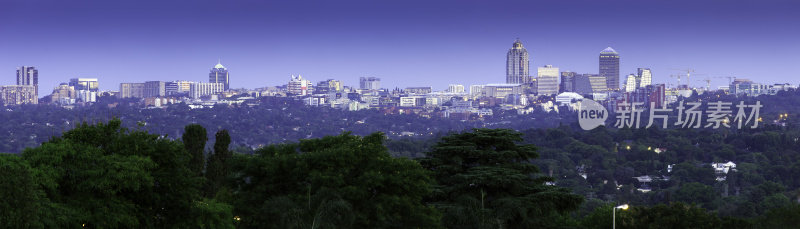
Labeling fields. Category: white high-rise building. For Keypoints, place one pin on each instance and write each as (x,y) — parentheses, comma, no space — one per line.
(299,86)
(645,77)
(197,90)
(517,64)
(630,83)
(455,88)
(547,80)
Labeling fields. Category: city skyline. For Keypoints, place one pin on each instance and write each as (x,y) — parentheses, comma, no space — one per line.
(436,45)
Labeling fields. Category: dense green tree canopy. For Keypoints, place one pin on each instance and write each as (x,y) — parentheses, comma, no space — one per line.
(343,181)
(485,180)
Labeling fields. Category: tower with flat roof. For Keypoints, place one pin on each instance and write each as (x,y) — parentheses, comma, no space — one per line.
(609,68)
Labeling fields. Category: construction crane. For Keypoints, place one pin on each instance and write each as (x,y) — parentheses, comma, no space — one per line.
(708,83)
(688,71)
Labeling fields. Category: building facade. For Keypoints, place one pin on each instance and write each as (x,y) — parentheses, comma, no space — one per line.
(198,90)
(418,90)
(28,75)
(517,64)
(609,68)
(131,90)
(645,77)
(369,83)
(63,94)
(547,80)
(219,74)
(88,84)
(631,82)
(155,89)
(328,86)
(18,94)
(177,87)
(299,86)
(567,82)
(501,90)
(455,88)
(586,84)
(86,88)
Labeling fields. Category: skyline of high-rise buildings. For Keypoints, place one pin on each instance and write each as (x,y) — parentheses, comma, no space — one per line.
(517,64)
(544,83)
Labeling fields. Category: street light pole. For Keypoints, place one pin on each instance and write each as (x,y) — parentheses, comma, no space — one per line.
(614,215)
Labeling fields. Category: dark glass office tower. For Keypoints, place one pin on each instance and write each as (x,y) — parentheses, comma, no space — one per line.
(219,74)
(609,68)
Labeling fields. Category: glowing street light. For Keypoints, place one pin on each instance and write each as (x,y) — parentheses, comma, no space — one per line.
(614,216)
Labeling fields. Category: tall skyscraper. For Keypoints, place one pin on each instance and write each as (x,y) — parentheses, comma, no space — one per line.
(609,68)
(517,64)
(219,74)
(28,75)
(547,80)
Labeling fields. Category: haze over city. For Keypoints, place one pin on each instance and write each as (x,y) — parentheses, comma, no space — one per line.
(405,43)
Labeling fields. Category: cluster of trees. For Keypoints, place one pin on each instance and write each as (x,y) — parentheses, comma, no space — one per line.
(104,176)
(107,176)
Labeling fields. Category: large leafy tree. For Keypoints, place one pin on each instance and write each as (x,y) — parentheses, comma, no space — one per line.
(194,139)
(340,181)
(485,180)
(217,168)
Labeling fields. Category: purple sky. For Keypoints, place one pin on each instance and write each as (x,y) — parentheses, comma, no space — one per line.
(406,43)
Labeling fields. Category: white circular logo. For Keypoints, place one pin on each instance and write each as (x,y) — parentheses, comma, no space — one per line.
(591,114)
